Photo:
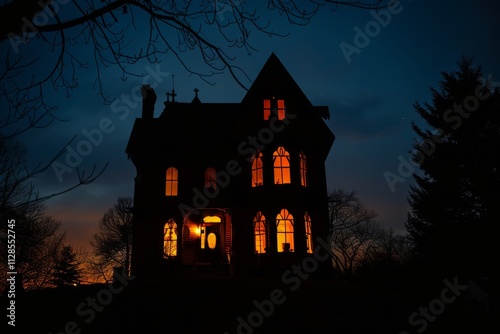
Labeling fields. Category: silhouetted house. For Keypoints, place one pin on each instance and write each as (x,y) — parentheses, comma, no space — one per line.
(230,182)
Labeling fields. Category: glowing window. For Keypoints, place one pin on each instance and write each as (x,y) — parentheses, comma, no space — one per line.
(210,178)
(259,228)
(281,166)
(303,169)
(170,239)
(267,109)
(212,219)
(284,223)
(257,171)
(212,240)
(281,109)
(307,220)
(172,182)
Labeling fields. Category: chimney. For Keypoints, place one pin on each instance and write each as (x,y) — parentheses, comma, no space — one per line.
(148,101)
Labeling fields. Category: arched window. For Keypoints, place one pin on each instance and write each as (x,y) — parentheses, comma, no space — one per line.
(281,166)
(171,182)
(284,223)
(257,171)
(259,228)
(303,169)
(309,241)
(210,178)
(170,239)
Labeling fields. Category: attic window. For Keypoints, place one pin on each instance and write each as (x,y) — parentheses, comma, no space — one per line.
(267,109)
(276,106)
(281,109)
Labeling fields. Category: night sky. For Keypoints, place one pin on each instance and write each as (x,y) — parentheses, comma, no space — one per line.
(369,93)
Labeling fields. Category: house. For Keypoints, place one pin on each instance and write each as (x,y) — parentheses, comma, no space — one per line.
(241,185)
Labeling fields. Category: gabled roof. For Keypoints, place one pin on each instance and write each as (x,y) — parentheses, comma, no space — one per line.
(274,77)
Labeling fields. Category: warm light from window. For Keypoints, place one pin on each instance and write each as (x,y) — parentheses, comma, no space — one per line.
(281,166)
(259,227)
(171,182)
(170,239)
(257,171)
(210,178)
(212,219)
(307,220)
(212,240)
(281,109)
(303,169)
(267,109)
(284,223)
(202,237)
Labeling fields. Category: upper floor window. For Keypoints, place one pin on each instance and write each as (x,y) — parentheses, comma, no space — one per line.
(284,223)
(170,239)
(307,220)
(259,228)
(171,182)
(281,166)
(267,109)
(257,171)
(281,109)
(303,169)
(275,106)
(210,178)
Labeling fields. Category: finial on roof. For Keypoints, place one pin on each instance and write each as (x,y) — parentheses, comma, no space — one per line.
(196,99)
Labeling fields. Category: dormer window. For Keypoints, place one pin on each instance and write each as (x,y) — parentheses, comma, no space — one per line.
(277,107)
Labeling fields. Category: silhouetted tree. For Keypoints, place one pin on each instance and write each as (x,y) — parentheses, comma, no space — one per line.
(113,242)
(57,30)
(353,232)
(66,271)
(455,201)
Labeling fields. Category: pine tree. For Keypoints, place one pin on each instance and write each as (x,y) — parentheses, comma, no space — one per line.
(455,201)
(67,271)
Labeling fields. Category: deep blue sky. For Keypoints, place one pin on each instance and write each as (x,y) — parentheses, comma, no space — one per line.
(370,100)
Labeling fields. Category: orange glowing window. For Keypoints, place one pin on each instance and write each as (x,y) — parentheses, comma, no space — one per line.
(307,220)
(210,178)
(267,109)
(171,182)
(281,166)
(170,239)
(284,223)
(257,171)
(281,109)
(259,228)
(303,169)
(212,240)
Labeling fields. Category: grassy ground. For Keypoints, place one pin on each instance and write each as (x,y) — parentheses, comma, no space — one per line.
(229,305)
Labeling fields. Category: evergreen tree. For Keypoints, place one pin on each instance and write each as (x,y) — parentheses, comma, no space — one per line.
(67,271)
(455,201)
